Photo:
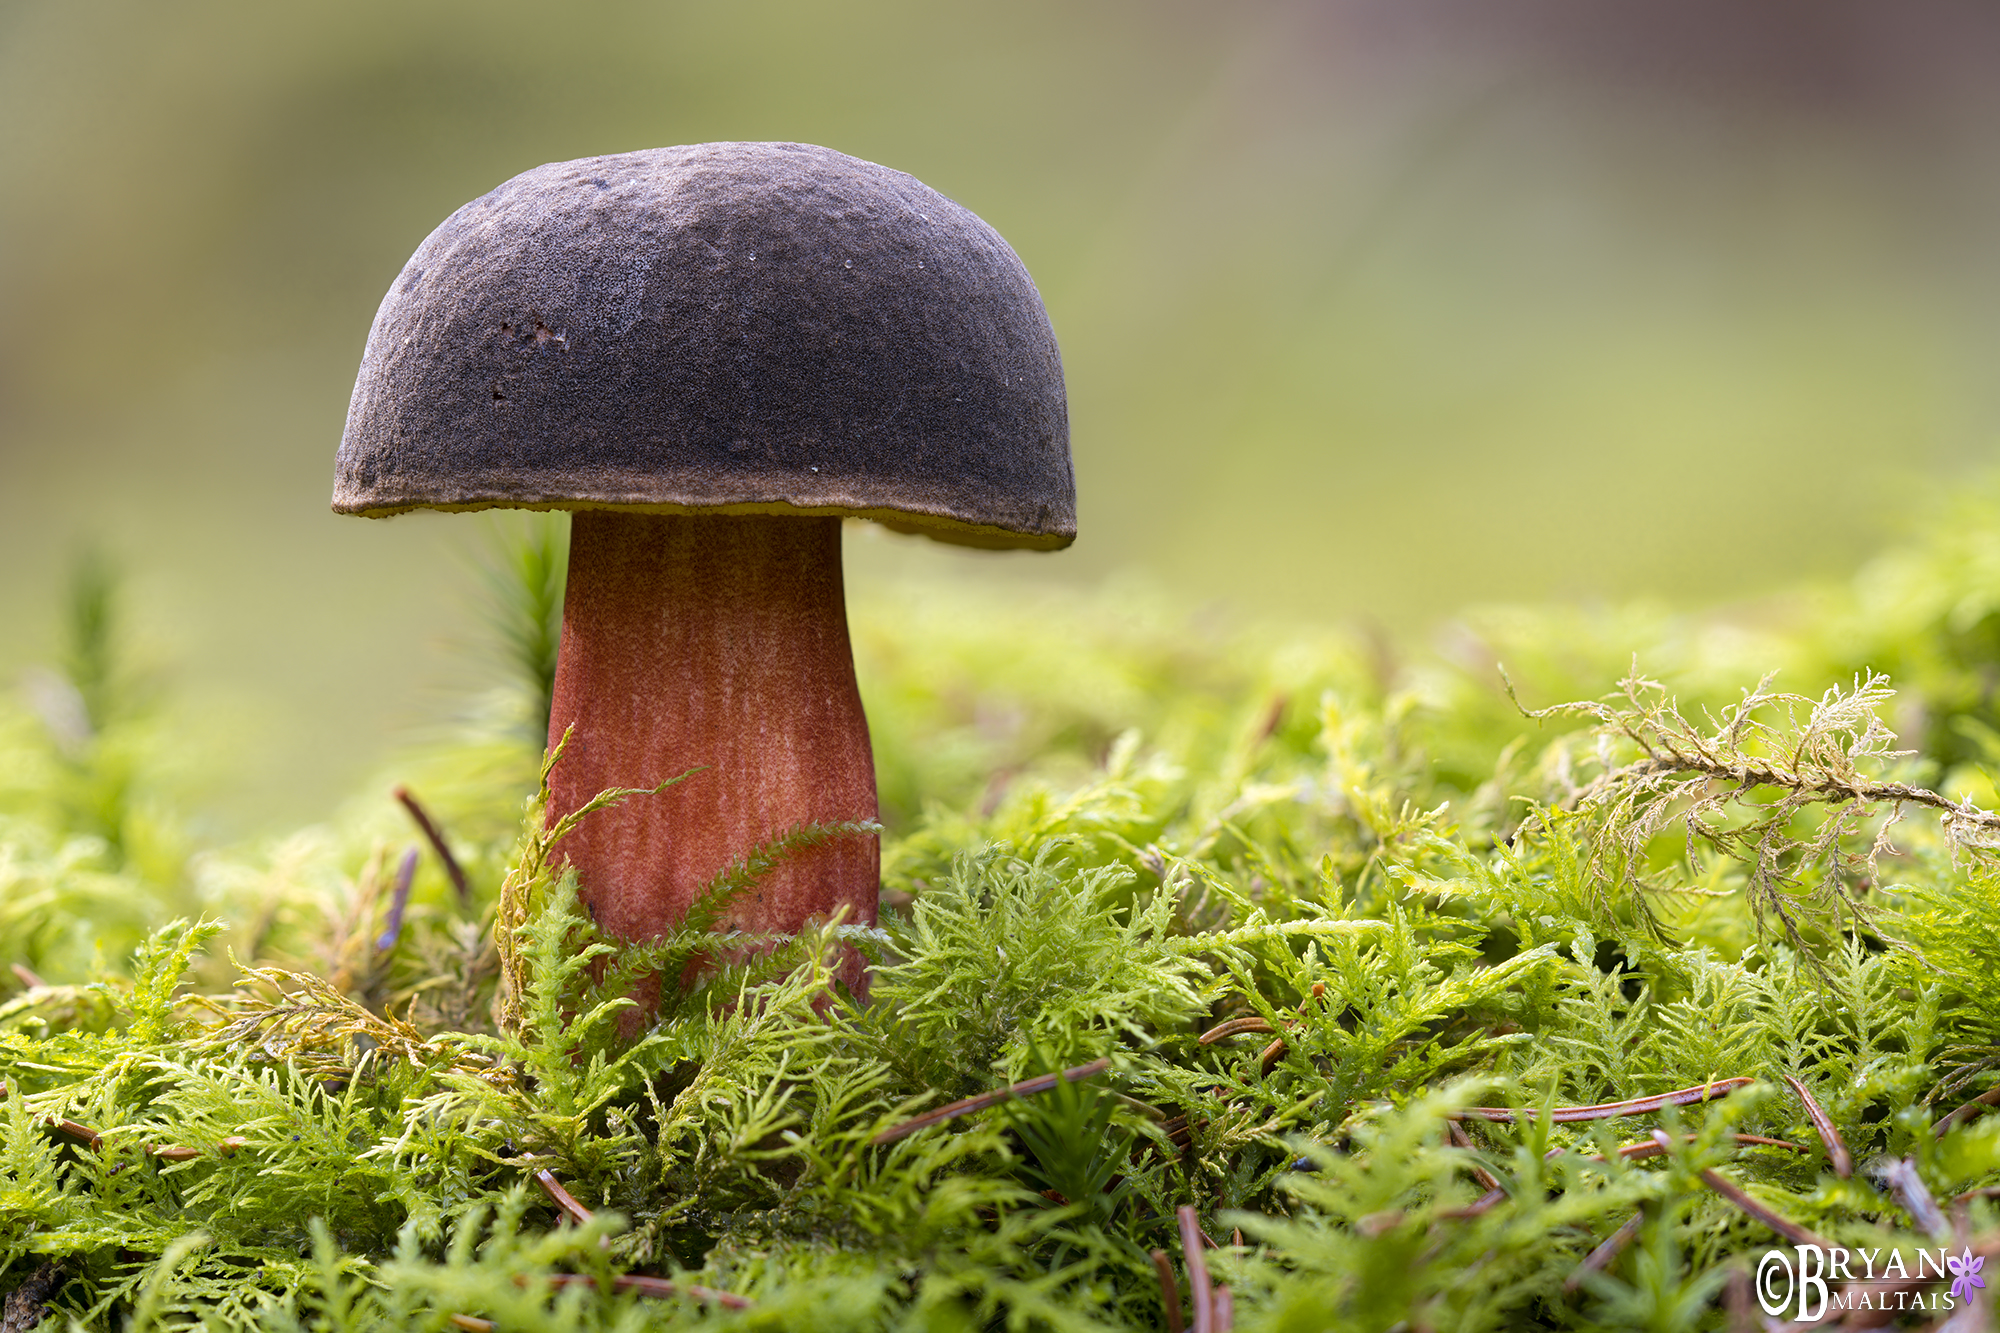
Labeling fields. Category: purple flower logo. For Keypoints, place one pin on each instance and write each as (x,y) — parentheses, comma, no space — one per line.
(1965,1274)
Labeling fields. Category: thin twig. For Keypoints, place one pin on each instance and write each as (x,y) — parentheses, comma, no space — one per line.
(1566,1115)
(26,976)
(430,831)
(1836,1149)
(1607,1250)
(966,1106)
(1170,1292)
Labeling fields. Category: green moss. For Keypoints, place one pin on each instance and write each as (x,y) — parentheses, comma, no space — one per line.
(1107,836)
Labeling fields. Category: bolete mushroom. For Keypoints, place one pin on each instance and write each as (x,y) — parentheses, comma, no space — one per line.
(713,354)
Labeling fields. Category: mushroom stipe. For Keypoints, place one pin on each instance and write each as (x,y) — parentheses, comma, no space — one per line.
(741,623)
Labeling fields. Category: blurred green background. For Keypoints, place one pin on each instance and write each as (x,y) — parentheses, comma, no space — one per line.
(1369,309)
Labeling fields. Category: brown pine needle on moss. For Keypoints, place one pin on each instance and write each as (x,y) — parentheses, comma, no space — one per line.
(1170,1292)
(1837,1155)
(1607,1250)
(1234,1027)
(1770,1217)
(1027,1087)
(1569,1115)
(1479,1205)
(1200,1294)
(1459,1139)
(429,829)
(94,1139)
(563,1199)
(1637,1152)
(1984,1101)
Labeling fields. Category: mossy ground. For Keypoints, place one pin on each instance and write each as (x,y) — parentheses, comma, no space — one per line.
(259,1086)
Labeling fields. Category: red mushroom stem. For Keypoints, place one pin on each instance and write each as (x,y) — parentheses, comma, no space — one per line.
(718,642)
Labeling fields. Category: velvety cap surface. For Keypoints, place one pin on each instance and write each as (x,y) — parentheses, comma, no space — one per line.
(744,327)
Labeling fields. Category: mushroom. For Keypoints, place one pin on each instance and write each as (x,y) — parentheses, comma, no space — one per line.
(713,354)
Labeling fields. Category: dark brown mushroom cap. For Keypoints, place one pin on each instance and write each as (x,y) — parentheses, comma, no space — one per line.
(730,327)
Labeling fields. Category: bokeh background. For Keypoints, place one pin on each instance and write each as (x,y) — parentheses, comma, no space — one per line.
(1369,308)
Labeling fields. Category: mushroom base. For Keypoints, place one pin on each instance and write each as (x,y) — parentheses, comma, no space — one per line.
(716,643)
